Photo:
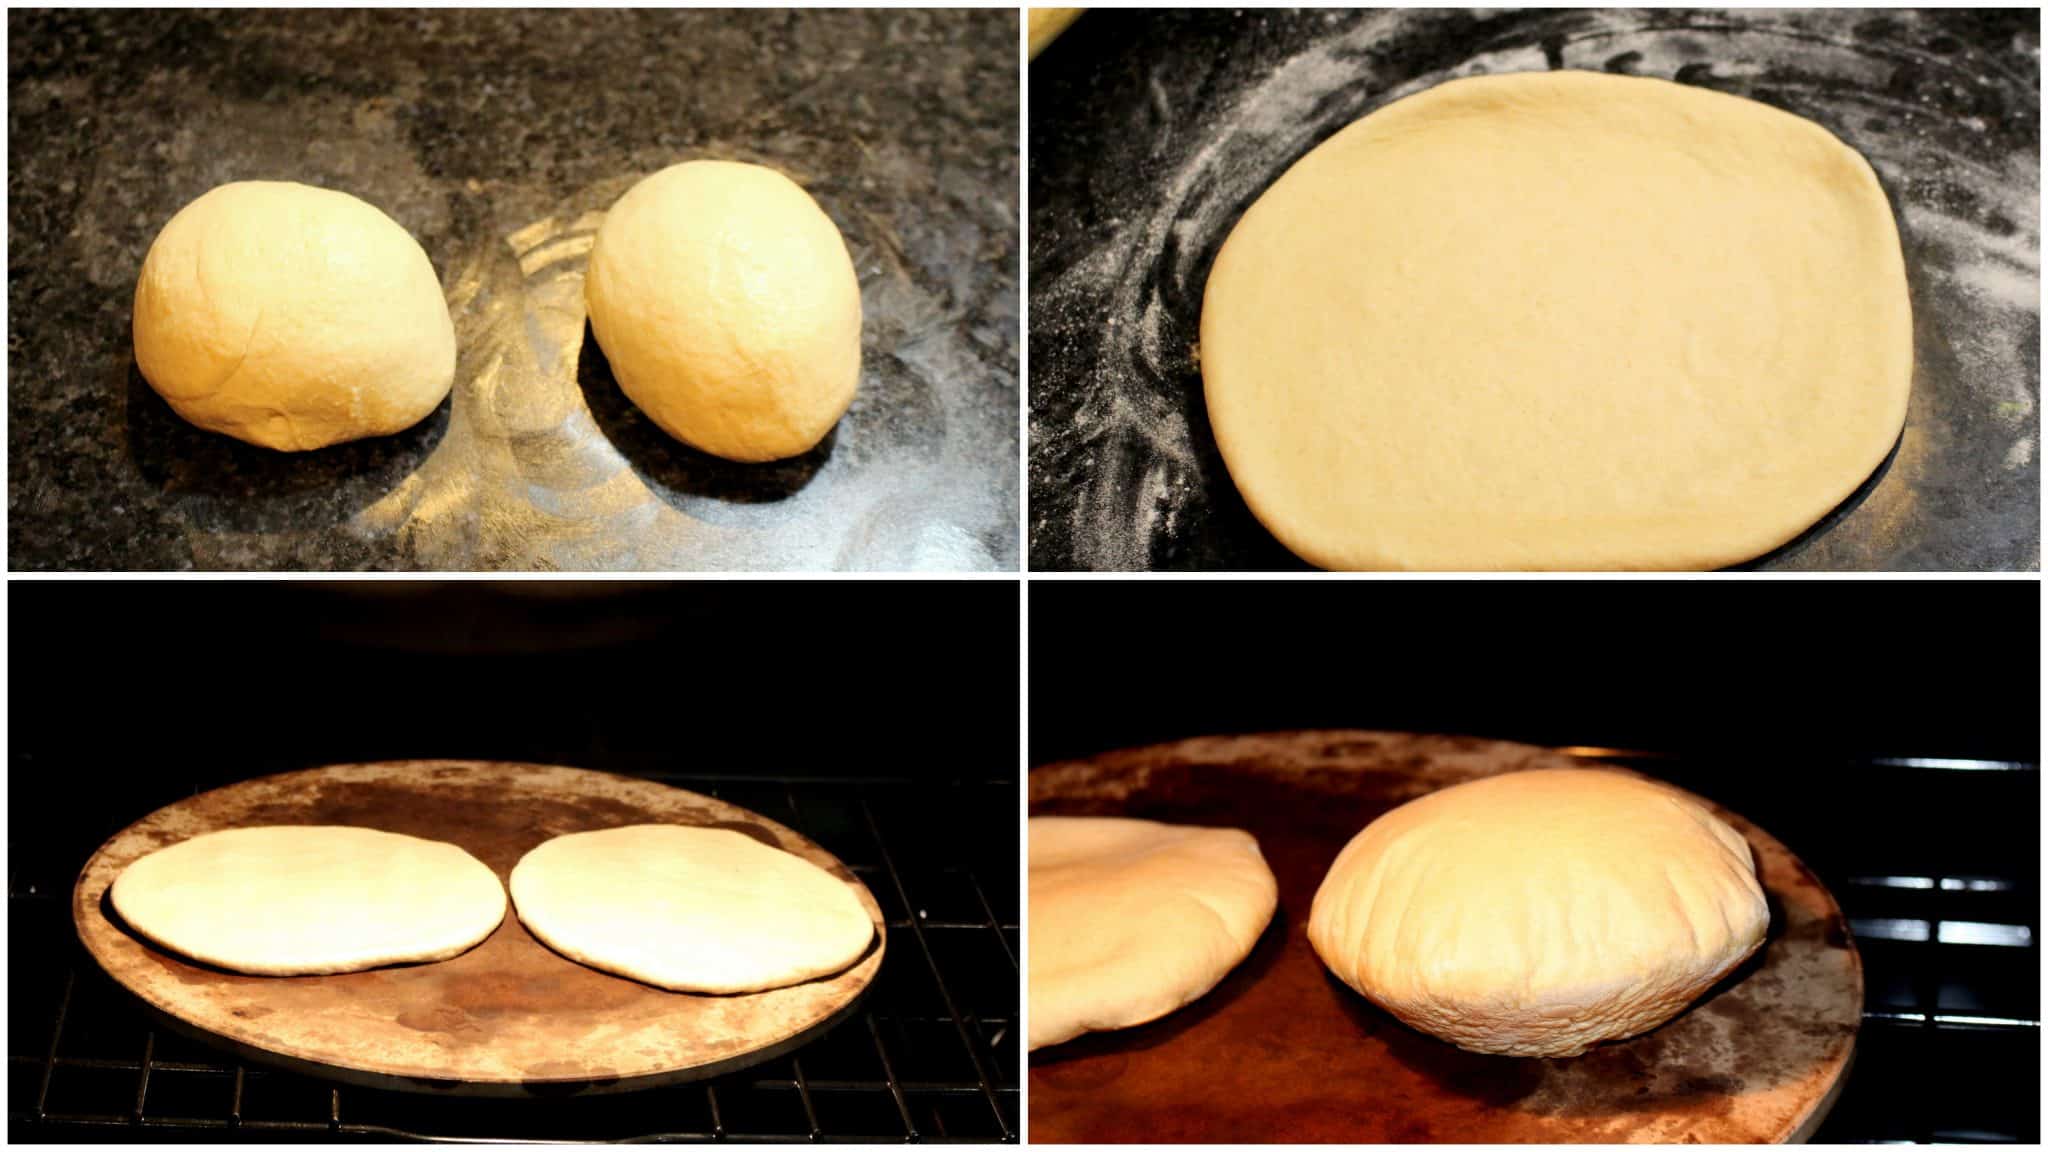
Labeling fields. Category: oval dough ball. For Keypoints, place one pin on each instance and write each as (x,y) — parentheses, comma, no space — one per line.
(1558,321)
(292,317)
(725,300)
(1131,920)
(1538,913)
(305,900)
(689,909)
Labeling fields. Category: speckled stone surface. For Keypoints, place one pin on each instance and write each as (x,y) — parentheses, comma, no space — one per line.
(498,138)
(1152,132)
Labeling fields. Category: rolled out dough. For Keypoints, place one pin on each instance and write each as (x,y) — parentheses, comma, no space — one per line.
(689,909)
(305,900)
(1558,321)
(1132,919)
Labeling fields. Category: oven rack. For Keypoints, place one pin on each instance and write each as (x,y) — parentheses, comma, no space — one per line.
(932,1053)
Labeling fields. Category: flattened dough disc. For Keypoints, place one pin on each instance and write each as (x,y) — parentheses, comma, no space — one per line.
(689,909)
(297,901)
(1132,919)
(1559,321)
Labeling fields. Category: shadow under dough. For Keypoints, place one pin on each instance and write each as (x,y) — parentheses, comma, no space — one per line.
(1825,524)
(673,467)
(224,484)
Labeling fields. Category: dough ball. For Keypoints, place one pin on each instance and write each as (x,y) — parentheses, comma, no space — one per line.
(1558,321)
(1538,913)
(292,317)
(725,300)
(689,909)
(1131,919)
(305,900)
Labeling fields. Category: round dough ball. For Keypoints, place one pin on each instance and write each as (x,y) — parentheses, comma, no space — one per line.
(726,302)
(292,317)
(689,909)
(306,900)
(1131,920)
(1538,913)
(1558,321)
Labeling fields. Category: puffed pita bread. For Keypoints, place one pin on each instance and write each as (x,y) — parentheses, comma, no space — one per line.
(689,909)
(1132,919)
(302,900)
(1538,913)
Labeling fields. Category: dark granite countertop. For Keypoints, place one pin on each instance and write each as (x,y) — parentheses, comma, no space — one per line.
(498,138)
(1152,132)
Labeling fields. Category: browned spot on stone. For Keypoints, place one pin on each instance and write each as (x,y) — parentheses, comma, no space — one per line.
(435,1018)
(1734,1008)
(746,828)
(1079,1075)
(498,833)
(194,974)
(564,1070)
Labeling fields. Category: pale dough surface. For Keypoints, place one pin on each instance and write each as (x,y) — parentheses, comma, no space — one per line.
(303,900)
(1132,919)
(728,307)
(292,317)
(1046,24)
(1537,913)
(689,909)
(1558,321)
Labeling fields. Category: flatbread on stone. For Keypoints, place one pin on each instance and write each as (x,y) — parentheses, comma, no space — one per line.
(1539,913)
(297,900)
(689,909)
(1132,919)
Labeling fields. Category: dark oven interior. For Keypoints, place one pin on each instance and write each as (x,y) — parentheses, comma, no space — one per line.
(879,720)
(1936,864)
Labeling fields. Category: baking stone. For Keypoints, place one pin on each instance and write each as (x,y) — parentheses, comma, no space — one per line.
(507,1018)
(1282,1052)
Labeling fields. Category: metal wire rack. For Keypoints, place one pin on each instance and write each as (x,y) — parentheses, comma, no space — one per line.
(933,1053)
(1936,864)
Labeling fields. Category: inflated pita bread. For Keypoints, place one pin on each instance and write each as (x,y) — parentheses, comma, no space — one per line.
(1131,919)
(1539,913)
(689,909)
(301,900)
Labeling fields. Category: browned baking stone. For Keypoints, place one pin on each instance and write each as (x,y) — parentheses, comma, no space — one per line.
(508,1017)
(1281,1051)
